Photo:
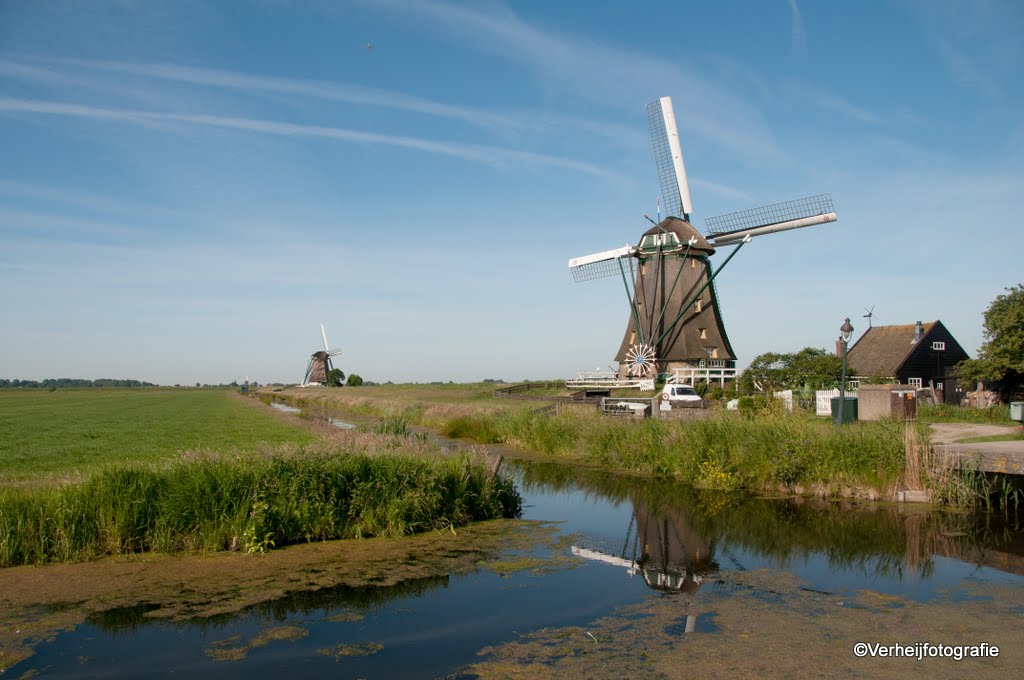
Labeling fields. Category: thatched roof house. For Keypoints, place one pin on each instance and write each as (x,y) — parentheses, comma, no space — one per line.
(918,354)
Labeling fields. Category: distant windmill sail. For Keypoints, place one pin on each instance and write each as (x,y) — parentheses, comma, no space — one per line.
(319,367)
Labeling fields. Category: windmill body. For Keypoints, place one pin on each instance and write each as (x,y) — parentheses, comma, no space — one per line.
(320,366)
(672,265)
(675,325)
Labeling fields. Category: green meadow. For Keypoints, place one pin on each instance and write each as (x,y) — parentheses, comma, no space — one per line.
(87,473)
(71,432)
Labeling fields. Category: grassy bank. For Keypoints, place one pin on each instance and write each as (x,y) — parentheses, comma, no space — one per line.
(68,433)
(251,504)
(726,451)
(762,450)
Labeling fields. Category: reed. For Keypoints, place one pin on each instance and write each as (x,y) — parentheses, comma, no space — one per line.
(728,450)
(251,504)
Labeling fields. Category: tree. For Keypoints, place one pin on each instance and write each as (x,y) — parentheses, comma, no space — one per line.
(354,381)
(335,377)
(811,367)
(1001,357)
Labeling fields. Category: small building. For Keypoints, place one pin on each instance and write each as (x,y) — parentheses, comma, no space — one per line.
(919,355)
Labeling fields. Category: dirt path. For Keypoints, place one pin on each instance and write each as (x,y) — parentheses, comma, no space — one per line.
(950,433)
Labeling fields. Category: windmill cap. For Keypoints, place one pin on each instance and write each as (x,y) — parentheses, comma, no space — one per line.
(684,231)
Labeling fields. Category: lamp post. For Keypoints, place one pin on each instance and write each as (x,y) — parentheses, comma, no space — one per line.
(846,331)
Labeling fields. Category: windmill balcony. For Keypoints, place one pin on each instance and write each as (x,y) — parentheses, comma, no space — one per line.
(712,371)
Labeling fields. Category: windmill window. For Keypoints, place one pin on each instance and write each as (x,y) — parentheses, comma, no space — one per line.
(939,346)
(632,338)
(652,242)
(700,305)
(703,333)
(643,267)
(712,352)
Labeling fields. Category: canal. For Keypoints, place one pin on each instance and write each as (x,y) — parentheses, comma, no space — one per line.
(611,546)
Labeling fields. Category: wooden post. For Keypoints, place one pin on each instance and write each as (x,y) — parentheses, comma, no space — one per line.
(495,466)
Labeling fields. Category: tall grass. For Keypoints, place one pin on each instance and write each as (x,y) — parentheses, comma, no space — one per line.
(947,413)
(726,451)
(251,504)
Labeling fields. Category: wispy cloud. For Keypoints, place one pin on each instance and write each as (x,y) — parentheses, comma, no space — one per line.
(721,189)
(610,75)
(977,41)
(489,155)
(24,191)
(799,36)
(840,105)
(830,101)
(255,84)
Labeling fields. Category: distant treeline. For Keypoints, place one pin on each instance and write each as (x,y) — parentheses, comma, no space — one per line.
(74,382)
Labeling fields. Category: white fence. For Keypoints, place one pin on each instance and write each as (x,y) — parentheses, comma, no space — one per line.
(708,374)
(823,400)
(787,398)
(594,379)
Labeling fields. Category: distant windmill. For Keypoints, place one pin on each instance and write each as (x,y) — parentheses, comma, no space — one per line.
(674,321)
(319,366)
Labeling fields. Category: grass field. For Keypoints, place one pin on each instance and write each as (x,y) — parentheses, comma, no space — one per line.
(90,472)
(70,432)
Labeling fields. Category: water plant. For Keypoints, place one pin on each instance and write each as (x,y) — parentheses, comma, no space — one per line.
(395,425)
(251,503)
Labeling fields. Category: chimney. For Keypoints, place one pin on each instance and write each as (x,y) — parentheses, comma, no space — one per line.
(840,348)
(918,332)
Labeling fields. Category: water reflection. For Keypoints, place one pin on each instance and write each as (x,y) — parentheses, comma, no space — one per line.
(285,408)
(662,547)
(676,533)
(325,602)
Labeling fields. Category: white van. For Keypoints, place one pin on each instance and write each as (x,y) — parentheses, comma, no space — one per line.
(676,392)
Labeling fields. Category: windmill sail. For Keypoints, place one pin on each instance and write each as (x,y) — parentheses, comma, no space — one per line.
(668,156)
(599,265)
(802,212)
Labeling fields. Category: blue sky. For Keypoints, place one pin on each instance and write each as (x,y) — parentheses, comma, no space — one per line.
(188,189)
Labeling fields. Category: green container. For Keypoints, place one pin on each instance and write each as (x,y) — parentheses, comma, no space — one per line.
(849,410)
(1017,411)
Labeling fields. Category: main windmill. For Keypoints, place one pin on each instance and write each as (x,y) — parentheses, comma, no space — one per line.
(674,322)
(319,367)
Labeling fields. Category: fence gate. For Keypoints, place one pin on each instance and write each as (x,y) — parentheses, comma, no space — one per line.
(823,400)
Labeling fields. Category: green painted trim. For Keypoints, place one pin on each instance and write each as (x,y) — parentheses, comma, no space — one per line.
(700,292)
